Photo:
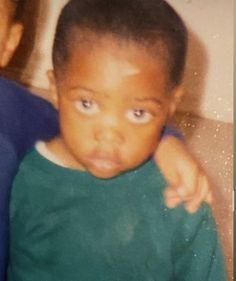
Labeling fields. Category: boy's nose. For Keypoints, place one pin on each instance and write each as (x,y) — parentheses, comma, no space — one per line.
(109,131)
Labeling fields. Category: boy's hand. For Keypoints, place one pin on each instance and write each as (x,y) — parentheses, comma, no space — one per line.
(188,183)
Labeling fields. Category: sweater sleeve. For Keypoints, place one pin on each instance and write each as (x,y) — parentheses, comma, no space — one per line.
(198,255)
(8,165)
(171,131)
(24,117)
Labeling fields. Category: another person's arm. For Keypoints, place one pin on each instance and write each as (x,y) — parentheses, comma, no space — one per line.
(188,183)
(8,166)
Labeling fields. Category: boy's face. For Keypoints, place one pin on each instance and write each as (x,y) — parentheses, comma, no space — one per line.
(10,32)
(113,102)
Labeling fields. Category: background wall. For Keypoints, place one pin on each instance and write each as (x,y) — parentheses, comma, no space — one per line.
(209,74)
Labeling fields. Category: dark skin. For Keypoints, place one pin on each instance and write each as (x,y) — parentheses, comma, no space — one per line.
(112,103)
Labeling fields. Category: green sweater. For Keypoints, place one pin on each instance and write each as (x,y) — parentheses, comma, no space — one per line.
(66,225)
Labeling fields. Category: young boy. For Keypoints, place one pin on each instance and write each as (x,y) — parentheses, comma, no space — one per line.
(88,205)
(25,118)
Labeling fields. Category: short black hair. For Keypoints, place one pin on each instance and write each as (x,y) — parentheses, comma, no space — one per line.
(144,21)
(19,9)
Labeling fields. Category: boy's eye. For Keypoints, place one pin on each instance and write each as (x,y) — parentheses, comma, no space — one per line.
(139,116)
(87,106)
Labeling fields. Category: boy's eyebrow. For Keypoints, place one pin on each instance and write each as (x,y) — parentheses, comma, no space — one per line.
(84,88)
(149,99)
(138,99)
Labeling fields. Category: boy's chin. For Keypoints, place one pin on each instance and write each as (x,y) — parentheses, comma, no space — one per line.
(103,174)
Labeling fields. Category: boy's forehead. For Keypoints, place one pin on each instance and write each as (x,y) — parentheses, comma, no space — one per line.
(117,69)
(113,61)
(122,66)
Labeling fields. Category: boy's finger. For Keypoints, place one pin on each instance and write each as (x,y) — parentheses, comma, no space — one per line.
(170,192)
(188,184)
(173,202)
(209,197)
(184,192)
(172,198)
(203,191)
(179,192)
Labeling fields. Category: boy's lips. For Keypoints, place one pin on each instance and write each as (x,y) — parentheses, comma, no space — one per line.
(104,162)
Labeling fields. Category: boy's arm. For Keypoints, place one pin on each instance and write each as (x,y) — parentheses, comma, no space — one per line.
(187,181)
(197,252)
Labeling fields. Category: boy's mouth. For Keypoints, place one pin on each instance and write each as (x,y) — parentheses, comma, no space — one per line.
(104,163)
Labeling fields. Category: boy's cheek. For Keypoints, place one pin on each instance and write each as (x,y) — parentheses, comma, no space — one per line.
(140,146)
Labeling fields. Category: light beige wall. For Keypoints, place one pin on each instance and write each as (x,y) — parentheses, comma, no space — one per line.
(40,60)
(209,75)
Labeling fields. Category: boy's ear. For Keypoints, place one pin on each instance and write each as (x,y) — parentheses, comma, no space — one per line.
(176,96)
(53,88)
(12,42)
